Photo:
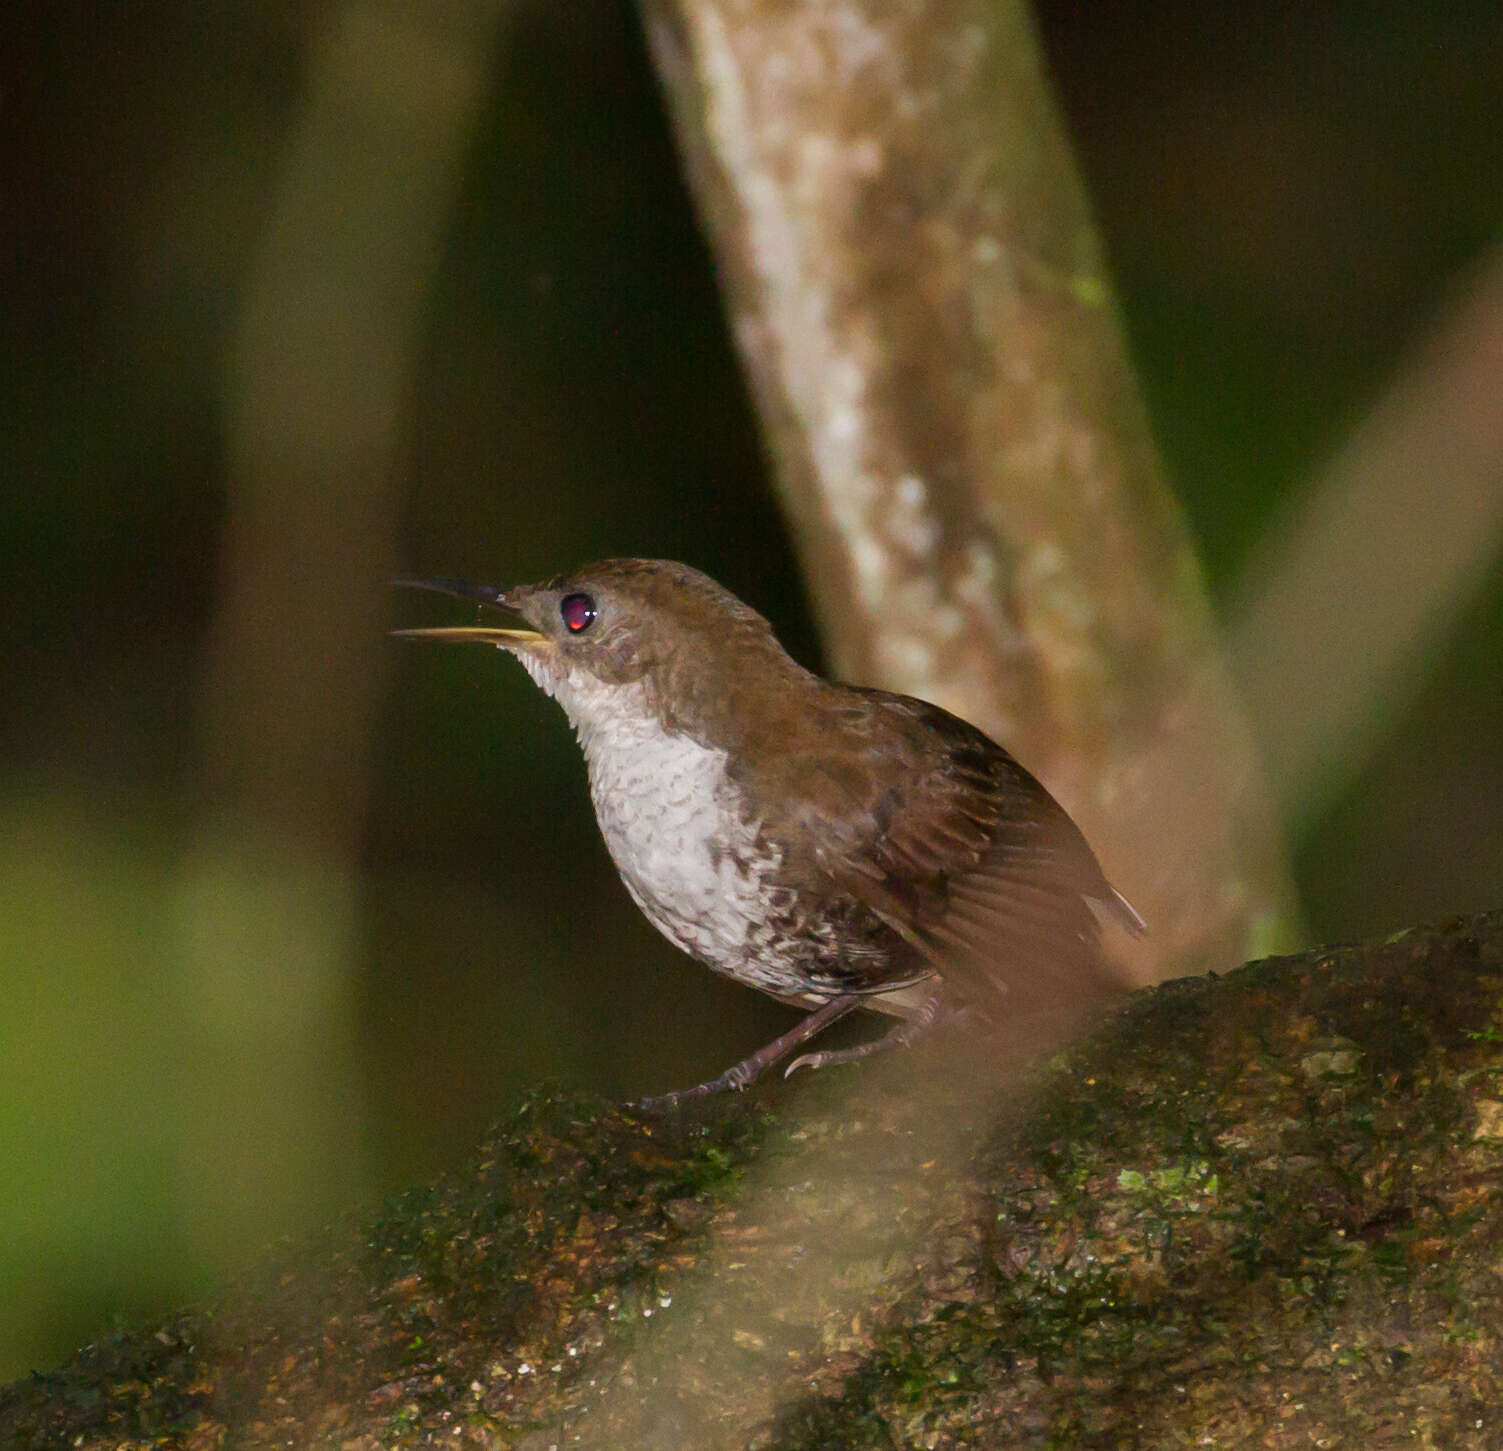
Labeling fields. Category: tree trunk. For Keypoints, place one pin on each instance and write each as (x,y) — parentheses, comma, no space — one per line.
(919,297)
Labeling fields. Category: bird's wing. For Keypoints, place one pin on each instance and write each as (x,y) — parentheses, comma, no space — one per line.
(974,865)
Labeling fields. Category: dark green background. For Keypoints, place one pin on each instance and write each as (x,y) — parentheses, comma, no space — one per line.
(1289,195)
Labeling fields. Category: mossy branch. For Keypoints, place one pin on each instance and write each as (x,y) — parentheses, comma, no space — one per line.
(1255,1210)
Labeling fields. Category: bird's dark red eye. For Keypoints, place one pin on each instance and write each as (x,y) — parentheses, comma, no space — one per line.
(577,612)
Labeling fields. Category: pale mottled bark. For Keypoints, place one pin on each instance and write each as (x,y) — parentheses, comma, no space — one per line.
(913,279)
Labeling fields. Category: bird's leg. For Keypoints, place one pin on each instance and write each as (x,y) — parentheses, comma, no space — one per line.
(748,1069)
(910,1030)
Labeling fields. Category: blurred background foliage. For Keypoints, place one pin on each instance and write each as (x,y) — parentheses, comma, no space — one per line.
(1290,195)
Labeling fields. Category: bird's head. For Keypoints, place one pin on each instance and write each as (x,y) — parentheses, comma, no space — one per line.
(624,637)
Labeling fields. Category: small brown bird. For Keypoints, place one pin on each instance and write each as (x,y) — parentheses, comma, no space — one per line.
(834,847)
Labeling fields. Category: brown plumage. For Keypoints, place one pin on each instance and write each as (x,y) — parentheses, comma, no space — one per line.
(832,846)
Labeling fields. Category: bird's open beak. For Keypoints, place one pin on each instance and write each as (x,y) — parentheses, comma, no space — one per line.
(502,635)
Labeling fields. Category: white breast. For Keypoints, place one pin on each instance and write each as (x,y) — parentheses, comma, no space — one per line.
(674,827)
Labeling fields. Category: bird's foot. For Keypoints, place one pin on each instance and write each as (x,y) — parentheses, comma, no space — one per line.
(910,1030)
(749,1069)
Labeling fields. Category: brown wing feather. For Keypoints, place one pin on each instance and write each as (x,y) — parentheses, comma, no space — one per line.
(971,866)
